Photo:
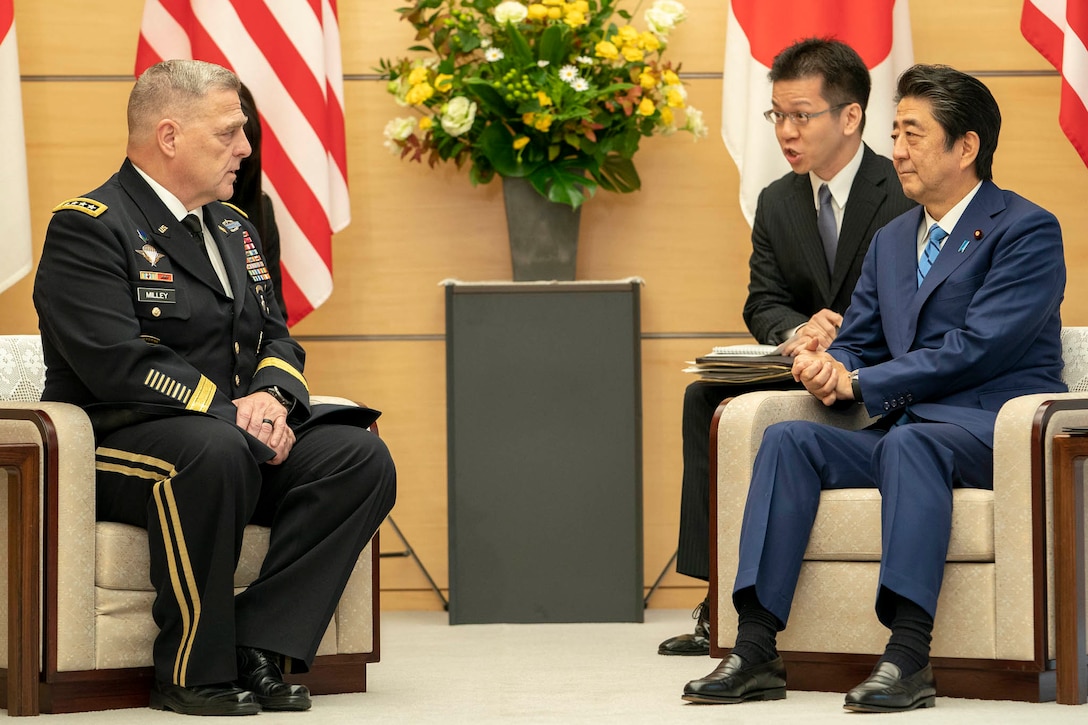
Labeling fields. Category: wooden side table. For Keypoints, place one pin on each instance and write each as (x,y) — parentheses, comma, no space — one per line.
(1070,452)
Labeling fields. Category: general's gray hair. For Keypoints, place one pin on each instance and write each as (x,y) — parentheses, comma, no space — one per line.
(173,87)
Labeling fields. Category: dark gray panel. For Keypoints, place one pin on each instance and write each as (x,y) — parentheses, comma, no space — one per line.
(545,489)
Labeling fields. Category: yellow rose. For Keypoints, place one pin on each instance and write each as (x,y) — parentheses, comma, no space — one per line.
(575,19)
(670,78)
(543,98)
(628,35)
(443,83)
(581,6)
(633,54)
(417,76)
(667,116)
(543,122)
(419,94)
(647,80)
(521,142)
(649,42)
(528,118)
(538,11)
(555,13)
(554,2)
(607,50)
(425,123)
(646,107)
(674,98)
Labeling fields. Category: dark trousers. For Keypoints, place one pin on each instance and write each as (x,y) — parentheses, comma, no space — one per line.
(915,467)
(192,482)
(701,399)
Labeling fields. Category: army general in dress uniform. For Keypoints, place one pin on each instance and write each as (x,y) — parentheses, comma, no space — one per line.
(157,317)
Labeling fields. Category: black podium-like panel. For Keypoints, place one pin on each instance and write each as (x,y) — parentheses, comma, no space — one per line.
(545,461)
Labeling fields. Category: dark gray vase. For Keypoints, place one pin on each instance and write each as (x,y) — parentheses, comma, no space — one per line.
(543,234)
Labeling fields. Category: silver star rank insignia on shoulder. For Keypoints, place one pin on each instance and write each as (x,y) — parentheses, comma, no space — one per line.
(151,254)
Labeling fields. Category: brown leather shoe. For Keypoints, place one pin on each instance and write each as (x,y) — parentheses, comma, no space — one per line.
(225,699)
(690,645)
(735,681)
(886,690)
(259,672)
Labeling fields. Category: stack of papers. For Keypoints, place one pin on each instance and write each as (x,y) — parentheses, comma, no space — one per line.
(742,364)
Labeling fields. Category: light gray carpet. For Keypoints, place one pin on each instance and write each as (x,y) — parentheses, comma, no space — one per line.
(566,673)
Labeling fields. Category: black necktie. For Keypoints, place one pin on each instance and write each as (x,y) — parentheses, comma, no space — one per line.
(192,223)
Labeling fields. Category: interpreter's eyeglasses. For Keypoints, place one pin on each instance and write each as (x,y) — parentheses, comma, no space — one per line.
(798,118)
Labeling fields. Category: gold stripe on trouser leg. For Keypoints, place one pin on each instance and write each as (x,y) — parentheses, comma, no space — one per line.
(190,613)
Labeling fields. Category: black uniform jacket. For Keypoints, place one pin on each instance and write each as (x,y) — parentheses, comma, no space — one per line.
(789,279)
(135,323)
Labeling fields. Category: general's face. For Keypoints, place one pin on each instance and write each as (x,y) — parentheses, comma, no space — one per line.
(210,147)
(930,172)
(820,145)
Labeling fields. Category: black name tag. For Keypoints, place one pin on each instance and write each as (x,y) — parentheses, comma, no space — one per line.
(156,294)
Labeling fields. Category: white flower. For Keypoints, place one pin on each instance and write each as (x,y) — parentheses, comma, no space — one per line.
(694,123)
(543,63)
(568,73)
(398,130)
(584,60)
(510,12)
(580,84)
(663,17)
(458,116)
(493,54)
(485,42)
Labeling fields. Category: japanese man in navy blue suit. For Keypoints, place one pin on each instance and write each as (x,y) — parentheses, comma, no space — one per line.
(956,312)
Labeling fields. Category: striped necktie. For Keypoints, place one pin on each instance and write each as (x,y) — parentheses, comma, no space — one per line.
(929,254)
(825,222)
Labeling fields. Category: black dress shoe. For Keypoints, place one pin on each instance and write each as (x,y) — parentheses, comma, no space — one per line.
(735,681)
(887,690)
(203,699)
(691,644)
(259,672)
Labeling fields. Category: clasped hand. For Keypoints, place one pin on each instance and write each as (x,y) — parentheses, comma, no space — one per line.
(822,375)
(262,416)
(821,327)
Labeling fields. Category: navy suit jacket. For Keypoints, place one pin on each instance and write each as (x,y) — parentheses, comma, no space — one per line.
(789,280)
(983,328)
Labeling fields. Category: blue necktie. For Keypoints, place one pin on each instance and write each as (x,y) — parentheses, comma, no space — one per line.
(929,254)
(825,222)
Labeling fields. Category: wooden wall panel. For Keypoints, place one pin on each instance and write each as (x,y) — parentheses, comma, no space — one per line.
(379,338)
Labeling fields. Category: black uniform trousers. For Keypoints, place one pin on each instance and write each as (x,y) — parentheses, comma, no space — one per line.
(193,483)
(701,399)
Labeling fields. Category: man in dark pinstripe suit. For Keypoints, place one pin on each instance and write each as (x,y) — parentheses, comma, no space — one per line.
(801,277)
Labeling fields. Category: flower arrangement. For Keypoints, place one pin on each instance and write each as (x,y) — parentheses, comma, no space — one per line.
(554,91)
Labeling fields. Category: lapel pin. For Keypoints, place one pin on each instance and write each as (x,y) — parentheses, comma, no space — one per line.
(163,228)
(978,234)
(964,245)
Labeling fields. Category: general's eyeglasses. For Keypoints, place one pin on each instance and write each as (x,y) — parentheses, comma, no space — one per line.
(798,118)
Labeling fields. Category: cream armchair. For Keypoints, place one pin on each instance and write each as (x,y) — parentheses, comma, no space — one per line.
(994,636)
(87,644)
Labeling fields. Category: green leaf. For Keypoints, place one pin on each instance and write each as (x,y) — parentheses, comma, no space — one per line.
(488,97)
(618,174)
(521,51)
(554,45)
(497,144)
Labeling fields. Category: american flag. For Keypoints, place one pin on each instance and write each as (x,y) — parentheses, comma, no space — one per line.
(288,53)
(15,242)
(1059,31)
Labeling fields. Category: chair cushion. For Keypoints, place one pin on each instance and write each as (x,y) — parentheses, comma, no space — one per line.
(122,560)
(847,526)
